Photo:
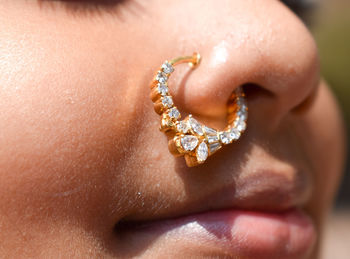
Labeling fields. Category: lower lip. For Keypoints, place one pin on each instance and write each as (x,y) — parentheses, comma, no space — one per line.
(236,233)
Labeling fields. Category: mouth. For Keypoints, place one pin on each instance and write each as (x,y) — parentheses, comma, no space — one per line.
(230,233)
(257,217)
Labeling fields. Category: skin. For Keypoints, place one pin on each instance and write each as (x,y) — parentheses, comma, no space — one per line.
(80,147)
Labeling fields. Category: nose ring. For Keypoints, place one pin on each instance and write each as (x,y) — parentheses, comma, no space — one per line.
(188,137)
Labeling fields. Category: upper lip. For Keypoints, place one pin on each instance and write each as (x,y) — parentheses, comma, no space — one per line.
(265,190)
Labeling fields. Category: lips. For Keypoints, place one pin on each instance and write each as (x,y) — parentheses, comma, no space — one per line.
(227,233)
(255,218)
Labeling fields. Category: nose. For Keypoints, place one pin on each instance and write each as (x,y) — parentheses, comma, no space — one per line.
(269,52)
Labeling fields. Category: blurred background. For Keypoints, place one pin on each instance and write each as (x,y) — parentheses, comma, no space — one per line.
(330,24)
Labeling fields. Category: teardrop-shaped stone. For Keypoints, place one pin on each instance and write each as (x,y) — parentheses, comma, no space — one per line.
(196,126)
(202,152)
(189,142)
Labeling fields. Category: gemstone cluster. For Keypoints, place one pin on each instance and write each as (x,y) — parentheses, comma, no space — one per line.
(188,137)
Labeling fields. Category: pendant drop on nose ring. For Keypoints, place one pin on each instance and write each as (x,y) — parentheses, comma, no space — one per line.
(188,137)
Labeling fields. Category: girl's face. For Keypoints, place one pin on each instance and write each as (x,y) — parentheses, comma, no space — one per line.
(84,170)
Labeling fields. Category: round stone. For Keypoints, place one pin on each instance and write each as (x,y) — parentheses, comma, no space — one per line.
(162,89)
(202,152)
(240,125)
(189,142)
(167,101)
(242,114)
(225,138)
(174,113)
(235,134)
(241,101)
(161,77)
(167,68)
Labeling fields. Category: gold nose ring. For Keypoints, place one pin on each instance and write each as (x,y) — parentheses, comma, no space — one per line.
(188,137)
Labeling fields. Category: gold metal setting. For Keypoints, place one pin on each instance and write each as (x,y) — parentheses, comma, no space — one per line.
(188,137)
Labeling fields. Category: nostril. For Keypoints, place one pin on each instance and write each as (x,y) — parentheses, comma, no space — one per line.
(254,91)
(264,106)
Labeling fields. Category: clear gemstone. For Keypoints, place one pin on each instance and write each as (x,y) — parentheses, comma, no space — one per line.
(242,114)
(161,77)
(189,142)
(214,147)
(174,113)
(212,139)
(202,152)
(167,68)
(196,126)
(225,137)
(209,131)
(162,89)
(167,101)
(235,134)
(241,102)
(240,125)
(183,127)
(244,105)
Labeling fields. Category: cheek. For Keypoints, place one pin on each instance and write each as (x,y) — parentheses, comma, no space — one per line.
(74,126)
(64,136)
(324,137)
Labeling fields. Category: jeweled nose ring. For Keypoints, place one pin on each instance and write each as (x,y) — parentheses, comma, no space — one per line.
(188,137)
